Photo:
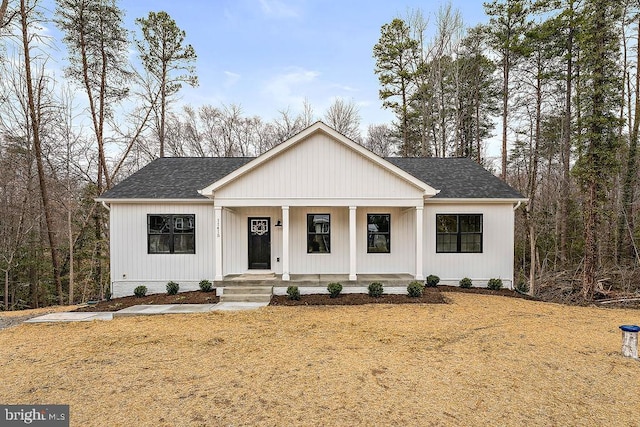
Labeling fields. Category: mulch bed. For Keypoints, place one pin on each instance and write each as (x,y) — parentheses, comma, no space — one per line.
(115,304)
(430,296)
(484,291)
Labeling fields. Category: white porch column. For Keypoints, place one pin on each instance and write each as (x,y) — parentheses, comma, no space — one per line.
(352,243)
(419,241)
(217,218)
(285,243)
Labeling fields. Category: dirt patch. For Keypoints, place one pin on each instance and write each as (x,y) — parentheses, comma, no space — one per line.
(430,296)
(115,304)
(479,360)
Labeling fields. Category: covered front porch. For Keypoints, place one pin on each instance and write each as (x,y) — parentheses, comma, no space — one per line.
(254,241)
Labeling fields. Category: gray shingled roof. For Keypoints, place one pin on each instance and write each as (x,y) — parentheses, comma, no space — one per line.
(175,178)
(181,177)
(456,178)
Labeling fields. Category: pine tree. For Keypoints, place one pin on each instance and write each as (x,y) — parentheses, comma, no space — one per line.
(97,45)
(507,24)
(396,56)
(167,60)
(599,139)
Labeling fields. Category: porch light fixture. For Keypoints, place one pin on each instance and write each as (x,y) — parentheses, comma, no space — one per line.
(278,223)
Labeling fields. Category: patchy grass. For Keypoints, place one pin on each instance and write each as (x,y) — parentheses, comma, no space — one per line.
(481,360)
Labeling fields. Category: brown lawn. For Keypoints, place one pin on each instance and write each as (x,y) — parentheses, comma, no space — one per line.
(481,360)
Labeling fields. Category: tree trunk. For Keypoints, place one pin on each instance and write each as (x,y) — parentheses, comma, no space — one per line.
(163,106)
(98,261)
(590,242)
(35,124)
(626,221)
(533,183)
(6,289)
(505,106)
(532,255)
(566,147)
(71,267)
(3,11)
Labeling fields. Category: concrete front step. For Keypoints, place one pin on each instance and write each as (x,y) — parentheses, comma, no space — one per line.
(245,297)
(247,290)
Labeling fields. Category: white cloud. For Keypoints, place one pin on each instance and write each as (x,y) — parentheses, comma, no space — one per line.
(345,88)
(292,86)
(232,78)
(278,9)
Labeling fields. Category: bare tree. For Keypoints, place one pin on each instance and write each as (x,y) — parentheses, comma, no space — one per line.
(6,15)
(380,140)
(344,117)
(35,87)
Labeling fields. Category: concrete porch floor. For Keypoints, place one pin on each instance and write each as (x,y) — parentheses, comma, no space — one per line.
(314,279)
(312,283)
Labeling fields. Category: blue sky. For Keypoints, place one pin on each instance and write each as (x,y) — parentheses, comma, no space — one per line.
(270,55)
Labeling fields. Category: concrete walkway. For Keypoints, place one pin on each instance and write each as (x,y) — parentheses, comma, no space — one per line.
(146,310)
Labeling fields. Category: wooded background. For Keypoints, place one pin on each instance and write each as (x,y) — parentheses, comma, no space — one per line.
(554,81)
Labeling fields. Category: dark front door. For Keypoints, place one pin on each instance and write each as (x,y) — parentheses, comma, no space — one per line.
(259,243)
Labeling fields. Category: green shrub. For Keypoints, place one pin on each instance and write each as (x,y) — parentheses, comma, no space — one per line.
(465,283)
(294,293)
(172,288)
(494,284)
(334,289)
(523,287)
(376,289)
(140,291)
(432,281)
(206,286)
(415,289)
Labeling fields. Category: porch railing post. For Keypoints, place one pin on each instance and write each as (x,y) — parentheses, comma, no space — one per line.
(419,241)
(217,218)
(285,243)
(352,243)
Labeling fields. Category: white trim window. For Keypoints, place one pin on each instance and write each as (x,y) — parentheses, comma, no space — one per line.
(318,233)
(171,234)
(459,233)
(378,233)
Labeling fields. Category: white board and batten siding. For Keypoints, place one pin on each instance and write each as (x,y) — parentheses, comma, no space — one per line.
(319,172)
(401,259)
(132,265)
(497,257)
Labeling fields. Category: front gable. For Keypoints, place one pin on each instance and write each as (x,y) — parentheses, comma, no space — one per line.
(319,167)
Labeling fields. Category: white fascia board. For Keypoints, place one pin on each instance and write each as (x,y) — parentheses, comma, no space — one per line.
(317,127)
(329,202)
(156,201)
(471,201)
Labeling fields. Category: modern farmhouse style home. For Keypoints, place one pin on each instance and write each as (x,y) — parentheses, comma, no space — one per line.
(316,207)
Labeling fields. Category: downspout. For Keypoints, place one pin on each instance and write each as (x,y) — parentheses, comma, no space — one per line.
(106,207)
(515,208)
